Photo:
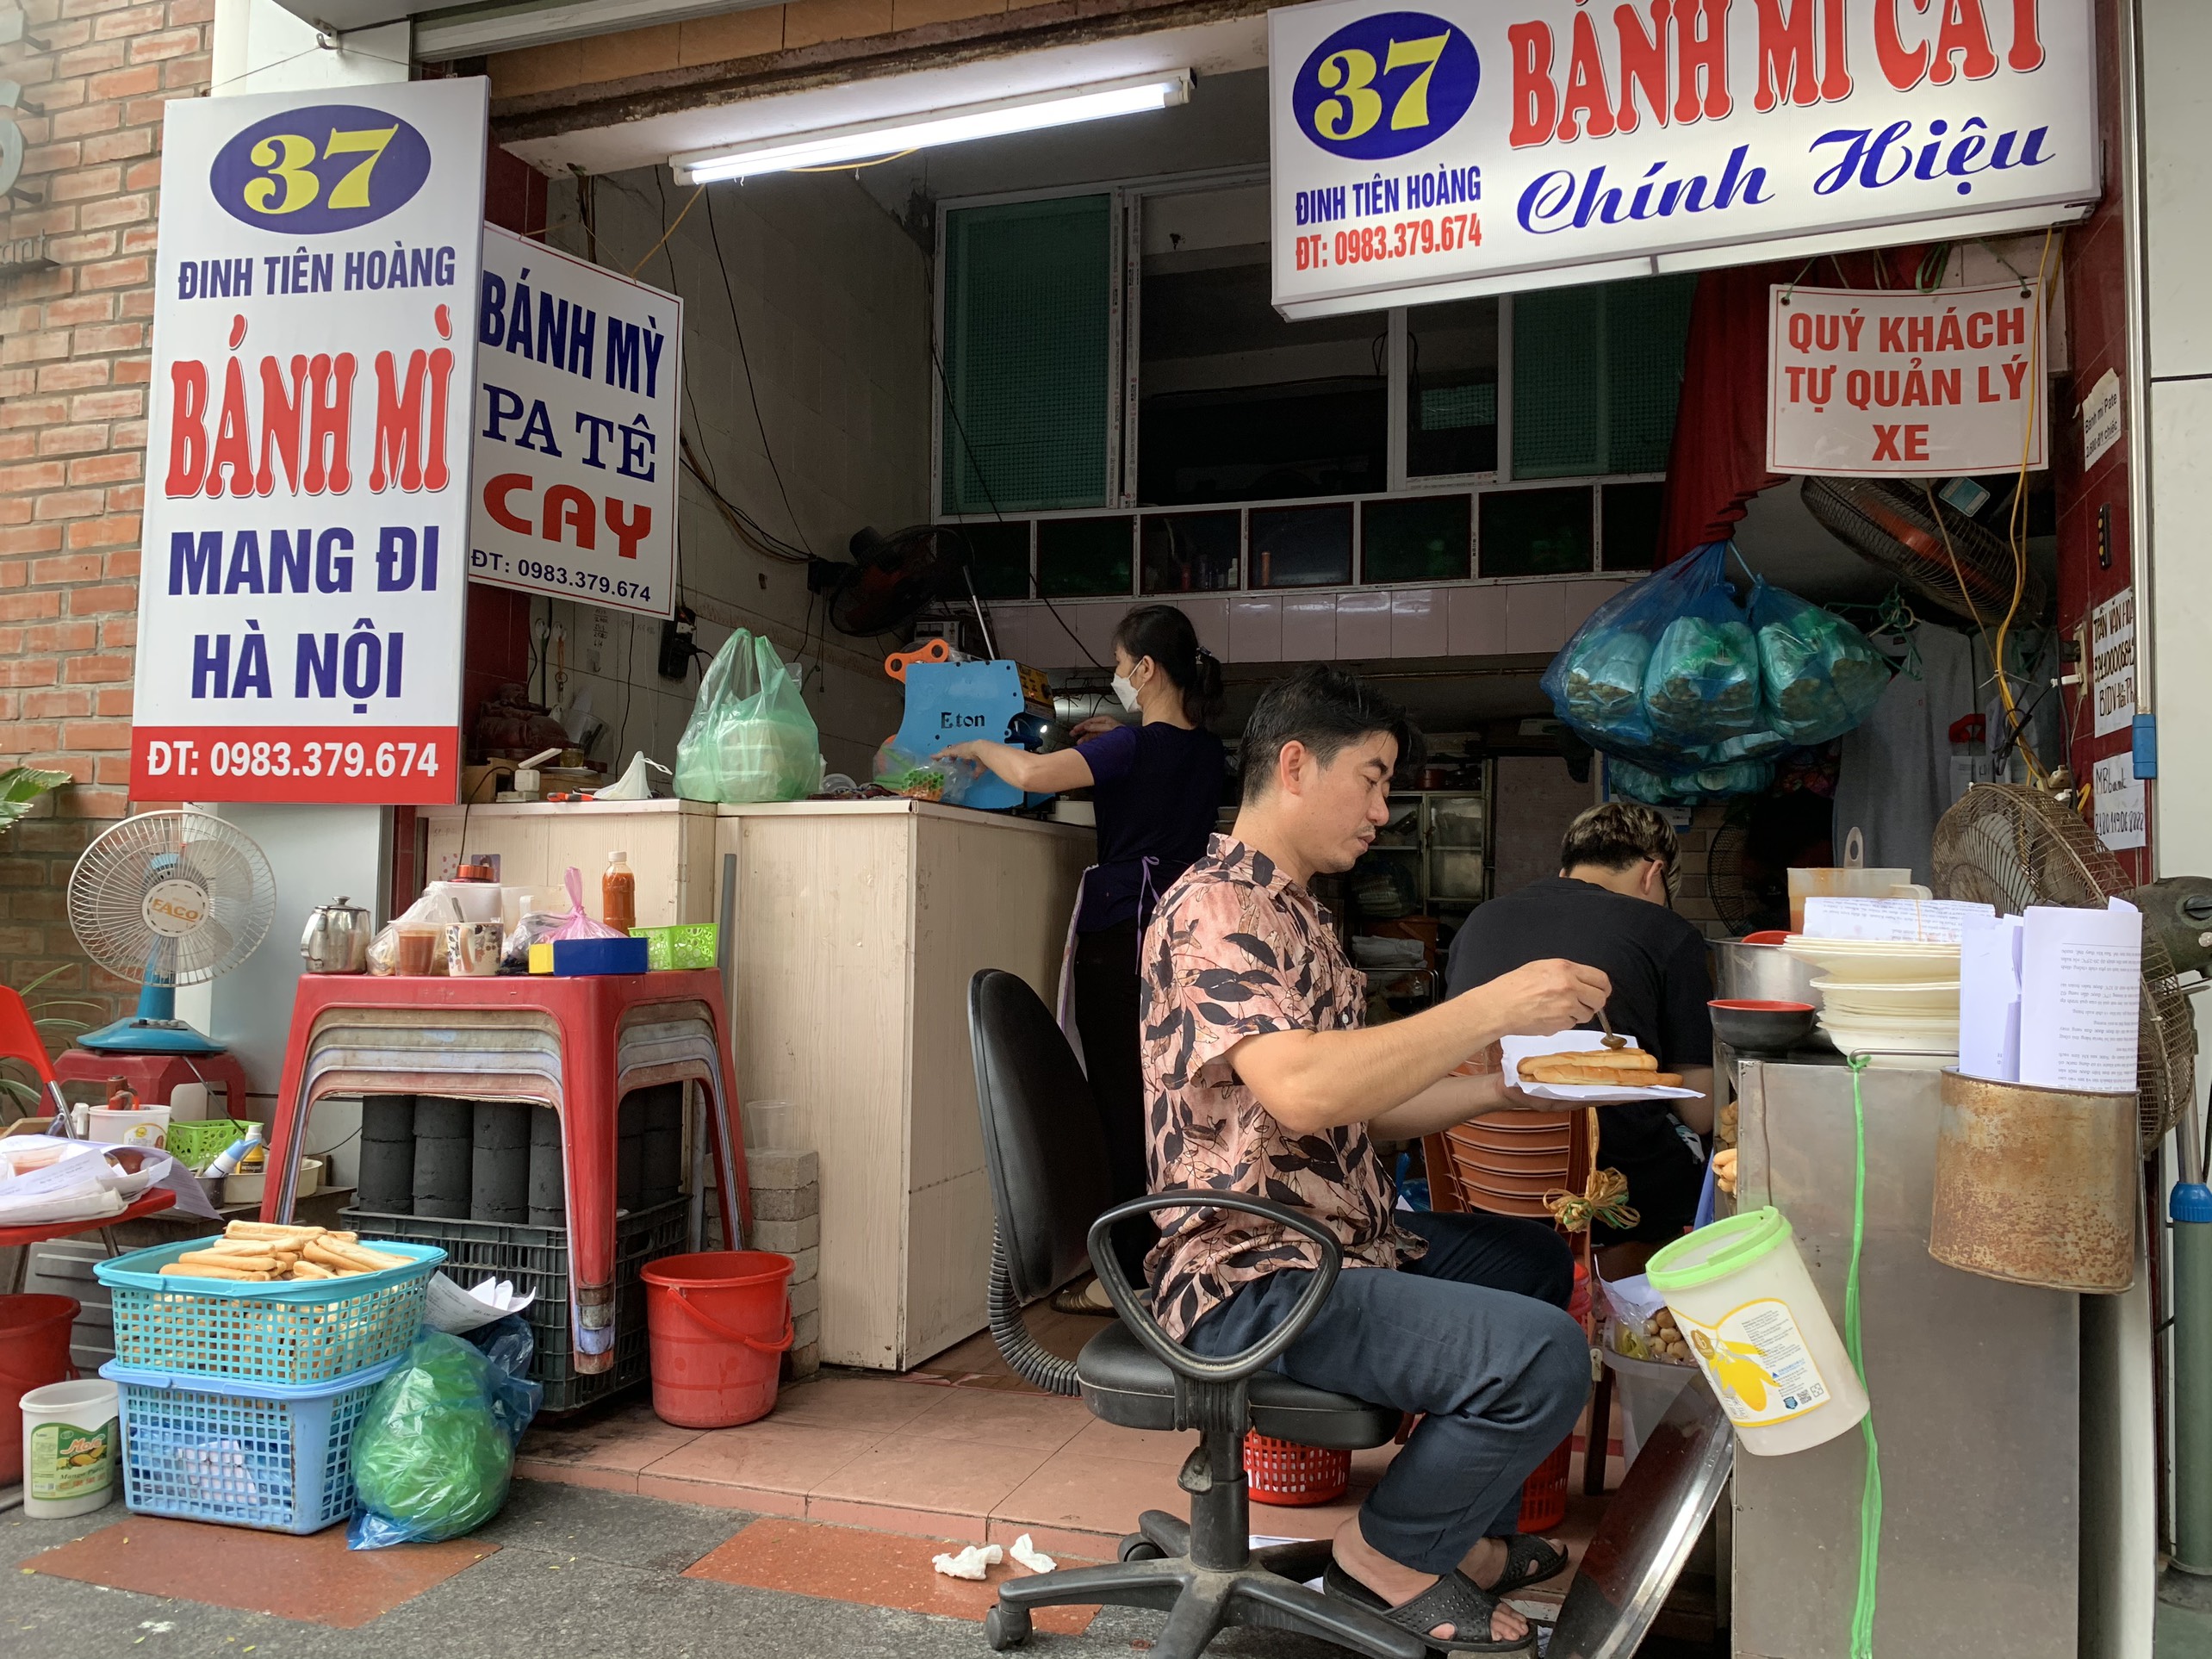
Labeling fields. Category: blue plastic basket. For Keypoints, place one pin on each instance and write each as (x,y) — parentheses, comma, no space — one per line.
(242,1454)
(309,1332)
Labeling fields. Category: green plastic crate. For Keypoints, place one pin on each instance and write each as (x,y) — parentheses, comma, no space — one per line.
(198,1142)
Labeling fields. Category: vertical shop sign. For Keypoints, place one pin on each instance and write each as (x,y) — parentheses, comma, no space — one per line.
(2119,804)
(303,576)
(2112,662)
(1451,146)
(1868,382)
(578,395)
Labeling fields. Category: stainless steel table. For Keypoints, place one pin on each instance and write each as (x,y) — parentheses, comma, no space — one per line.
(1976,1389)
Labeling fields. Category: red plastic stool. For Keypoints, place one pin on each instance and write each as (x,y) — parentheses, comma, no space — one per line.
(153,1077)
(473,1038)
(1289,1476)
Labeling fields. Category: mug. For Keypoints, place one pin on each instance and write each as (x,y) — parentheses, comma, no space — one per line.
(472,949)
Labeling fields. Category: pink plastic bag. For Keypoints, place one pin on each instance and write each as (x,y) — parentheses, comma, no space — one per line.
(577,924)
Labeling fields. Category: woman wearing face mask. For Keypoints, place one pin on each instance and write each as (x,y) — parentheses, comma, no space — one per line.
(1156,786)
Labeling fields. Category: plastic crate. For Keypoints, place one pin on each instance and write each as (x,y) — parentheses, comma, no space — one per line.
(290,1333)
(1284,1473)
(537,1259)
(1543,1495)
(241,1454)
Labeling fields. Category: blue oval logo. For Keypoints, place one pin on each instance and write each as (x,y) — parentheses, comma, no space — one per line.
(1386,85)
(331,167)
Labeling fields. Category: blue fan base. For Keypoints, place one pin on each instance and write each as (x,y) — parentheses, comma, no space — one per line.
(154,1029)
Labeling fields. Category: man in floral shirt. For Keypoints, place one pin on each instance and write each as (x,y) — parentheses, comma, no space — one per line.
(1259,1080)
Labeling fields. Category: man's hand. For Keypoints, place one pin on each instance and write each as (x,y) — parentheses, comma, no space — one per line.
(1544,998)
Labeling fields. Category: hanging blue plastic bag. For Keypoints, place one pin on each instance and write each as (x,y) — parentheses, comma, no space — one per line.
(1667,671)
(1822,675)
(1702,687)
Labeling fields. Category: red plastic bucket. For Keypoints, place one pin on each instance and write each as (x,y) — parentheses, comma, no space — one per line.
(34,1351)
(719,1322)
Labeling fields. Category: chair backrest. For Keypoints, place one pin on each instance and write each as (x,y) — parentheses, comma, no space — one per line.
(1042,1143)
(20,1038)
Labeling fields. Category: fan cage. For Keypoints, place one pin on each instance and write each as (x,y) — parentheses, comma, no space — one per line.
(2011,846)
(109,887)
(1892,525)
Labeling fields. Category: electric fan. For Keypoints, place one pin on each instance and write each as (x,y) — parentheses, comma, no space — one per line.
(1935,550)
(891,578)
(169,898)
(2011,846)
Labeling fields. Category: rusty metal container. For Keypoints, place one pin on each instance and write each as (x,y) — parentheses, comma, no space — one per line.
(2034,1185)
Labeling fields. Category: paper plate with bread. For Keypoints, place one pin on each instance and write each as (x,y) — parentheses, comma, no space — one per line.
(1575,1067)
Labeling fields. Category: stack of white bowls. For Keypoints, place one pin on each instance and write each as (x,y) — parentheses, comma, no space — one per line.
(1894,1001)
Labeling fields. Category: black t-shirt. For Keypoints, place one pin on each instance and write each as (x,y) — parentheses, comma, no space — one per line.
(1661,984)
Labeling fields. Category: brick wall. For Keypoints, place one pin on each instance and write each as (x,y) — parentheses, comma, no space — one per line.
(73,368)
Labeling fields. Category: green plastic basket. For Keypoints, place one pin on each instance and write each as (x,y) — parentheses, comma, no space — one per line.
(198,1142)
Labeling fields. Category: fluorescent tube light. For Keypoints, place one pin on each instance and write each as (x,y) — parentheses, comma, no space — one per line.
(864,140)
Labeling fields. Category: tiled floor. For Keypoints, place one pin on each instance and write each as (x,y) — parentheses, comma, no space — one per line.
(959,1449)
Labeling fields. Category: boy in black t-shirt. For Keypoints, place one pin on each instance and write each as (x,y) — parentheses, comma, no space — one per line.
(1608,907)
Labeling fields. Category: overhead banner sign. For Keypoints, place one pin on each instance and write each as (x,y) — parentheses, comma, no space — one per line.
(577,405)
(1867,382)
(304,571)
(1462,146)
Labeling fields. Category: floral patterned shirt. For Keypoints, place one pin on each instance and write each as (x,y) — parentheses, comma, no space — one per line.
(1238,950)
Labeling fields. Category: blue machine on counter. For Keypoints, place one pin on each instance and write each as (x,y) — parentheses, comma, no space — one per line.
(950,701)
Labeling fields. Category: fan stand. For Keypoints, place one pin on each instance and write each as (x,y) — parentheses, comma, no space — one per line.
(154,1029)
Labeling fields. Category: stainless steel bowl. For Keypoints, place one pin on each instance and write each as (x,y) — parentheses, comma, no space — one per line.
(1761,974)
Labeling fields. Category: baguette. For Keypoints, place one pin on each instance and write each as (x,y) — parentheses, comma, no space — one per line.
(269,1230)
(228,1258)
(310,1271)
(197,1271)
(1619,1060)
(1598,1075)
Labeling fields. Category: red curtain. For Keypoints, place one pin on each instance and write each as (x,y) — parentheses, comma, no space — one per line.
(1718,459)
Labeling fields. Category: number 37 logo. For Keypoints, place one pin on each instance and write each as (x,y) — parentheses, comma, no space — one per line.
(329,168)
(1386,85)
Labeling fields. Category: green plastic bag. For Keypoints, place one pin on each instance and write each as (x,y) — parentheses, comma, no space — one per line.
(749,737)
(435,1449)
(1822,675)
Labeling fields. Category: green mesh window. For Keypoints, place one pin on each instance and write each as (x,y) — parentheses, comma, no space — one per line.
(1597,372)
(1027,301)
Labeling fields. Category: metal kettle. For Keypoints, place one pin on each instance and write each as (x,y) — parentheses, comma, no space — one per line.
(337,938)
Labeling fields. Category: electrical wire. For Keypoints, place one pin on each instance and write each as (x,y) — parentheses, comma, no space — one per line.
(1037,590)
(2015,528)
(729,292)
(670,231)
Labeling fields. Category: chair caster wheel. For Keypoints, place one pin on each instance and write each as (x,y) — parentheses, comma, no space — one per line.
(1005,1627)
(1137,1547)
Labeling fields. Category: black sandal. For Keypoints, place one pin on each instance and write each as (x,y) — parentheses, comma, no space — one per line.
(1455,1600)
(1529,1560)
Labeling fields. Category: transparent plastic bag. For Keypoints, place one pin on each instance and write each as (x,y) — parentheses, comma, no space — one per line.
(1822,676)
(749,737)
(431,910)
(1687,788)
(434,1451)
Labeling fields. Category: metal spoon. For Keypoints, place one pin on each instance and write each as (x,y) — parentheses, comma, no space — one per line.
(1609,1041)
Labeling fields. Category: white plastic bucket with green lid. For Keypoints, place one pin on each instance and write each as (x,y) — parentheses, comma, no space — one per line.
(1760,1332)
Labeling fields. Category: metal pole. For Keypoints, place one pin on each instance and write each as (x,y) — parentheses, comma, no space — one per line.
(2190,1265)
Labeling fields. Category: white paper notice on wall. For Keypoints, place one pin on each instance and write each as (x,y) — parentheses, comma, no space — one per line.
(2100,419)
(2112,661)
(2122,820)
(2081,974)
(1896,381)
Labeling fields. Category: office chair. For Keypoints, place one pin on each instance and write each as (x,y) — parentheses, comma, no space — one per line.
(1046,1157)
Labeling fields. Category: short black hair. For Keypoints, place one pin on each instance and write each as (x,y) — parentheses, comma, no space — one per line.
(1618,834)
(1327,711)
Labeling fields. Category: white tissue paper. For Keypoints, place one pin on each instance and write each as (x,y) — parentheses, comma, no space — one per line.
(636,784)
(971,1562)
(449,1308)
(1026,1553)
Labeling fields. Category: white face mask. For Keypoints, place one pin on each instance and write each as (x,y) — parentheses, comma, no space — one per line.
(1127,693)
